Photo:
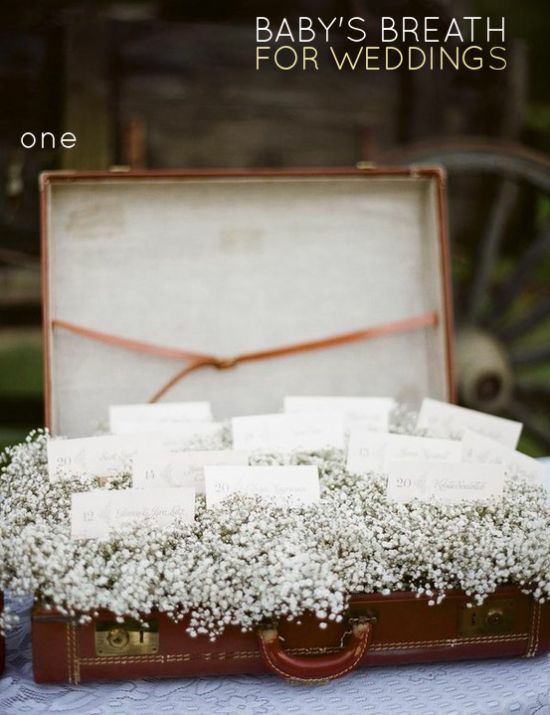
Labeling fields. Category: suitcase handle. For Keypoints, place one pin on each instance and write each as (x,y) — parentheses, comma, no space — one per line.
(316,668)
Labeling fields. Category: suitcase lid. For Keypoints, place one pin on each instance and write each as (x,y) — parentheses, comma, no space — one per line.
(224,263)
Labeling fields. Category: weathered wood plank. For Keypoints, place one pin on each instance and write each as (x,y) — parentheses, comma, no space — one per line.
(88,108)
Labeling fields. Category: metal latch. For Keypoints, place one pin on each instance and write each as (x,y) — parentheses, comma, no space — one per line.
(358,612)
(495,616)
(127,638)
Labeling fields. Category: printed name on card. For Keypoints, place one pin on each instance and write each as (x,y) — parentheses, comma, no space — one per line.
(444,420)
(372,413)
(447,482)
(97,514)
(370,451)
(429,449)
(154,417)
(286,485)
(484,450)
(182,469)
(288,432)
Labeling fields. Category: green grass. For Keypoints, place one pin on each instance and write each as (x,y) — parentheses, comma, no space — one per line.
(20,375)
(9,437)
(21,363)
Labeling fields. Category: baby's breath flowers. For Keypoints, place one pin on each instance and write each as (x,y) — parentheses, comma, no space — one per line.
(249,559)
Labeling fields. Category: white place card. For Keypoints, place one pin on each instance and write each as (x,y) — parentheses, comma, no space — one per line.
(366,451)
(373,413)
(287,485)
(182,469)
(102,456)
(446,482)
(483,450)
(155,417)
(288,432)
(445,420)
(108,455)
(97,514)
(370,451)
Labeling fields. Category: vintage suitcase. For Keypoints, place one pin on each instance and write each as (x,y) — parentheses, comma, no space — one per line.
(380,630)
(2,643)
(331,275)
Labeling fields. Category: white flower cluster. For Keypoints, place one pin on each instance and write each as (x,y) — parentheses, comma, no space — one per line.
(248,559)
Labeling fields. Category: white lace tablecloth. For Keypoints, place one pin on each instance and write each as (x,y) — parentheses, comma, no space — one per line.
(497,687)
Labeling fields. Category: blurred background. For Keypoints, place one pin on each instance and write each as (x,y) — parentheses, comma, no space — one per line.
(171,84)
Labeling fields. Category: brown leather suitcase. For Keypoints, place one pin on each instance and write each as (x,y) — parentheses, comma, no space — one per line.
(2,643)
(379,630)
(385,211)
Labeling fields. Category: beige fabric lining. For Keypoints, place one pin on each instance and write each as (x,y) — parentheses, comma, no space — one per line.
(227,266)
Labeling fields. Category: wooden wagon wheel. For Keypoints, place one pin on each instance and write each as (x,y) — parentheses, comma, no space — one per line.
(501,283)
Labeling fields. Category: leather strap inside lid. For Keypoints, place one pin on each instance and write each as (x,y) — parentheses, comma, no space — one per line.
(200,360)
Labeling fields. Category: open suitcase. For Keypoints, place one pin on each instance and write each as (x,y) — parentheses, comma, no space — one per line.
(322,282)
